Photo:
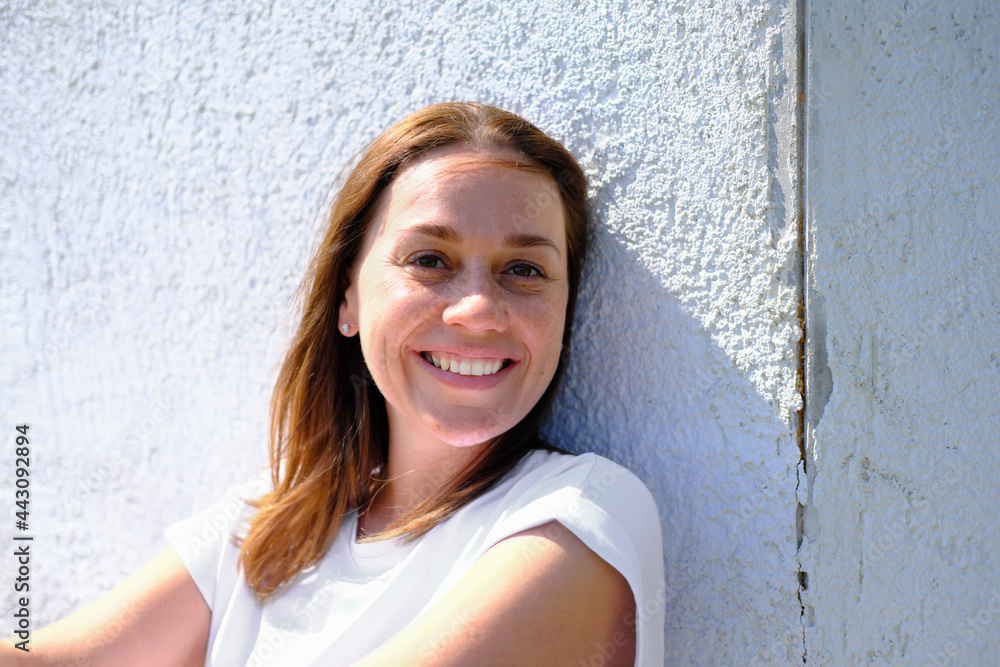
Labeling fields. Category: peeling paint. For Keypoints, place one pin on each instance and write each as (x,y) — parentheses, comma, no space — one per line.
(819,379)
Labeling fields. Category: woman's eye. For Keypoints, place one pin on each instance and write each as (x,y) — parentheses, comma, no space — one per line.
(429,262)
(525,271)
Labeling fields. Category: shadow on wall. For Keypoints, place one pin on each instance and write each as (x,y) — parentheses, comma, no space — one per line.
(648,387)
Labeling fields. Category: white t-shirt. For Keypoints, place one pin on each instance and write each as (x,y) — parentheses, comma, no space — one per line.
(360,595)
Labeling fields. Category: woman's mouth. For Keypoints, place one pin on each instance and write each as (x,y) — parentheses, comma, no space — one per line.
(465,365)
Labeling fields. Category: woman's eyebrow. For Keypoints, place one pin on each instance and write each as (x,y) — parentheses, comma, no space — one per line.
(442,232)
(515,240)
(529,241)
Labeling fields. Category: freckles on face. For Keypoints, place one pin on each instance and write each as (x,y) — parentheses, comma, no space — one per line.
(460,295)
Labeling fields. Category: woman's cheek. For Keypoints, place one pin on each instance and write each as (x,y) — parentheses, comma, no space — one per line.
(547,324)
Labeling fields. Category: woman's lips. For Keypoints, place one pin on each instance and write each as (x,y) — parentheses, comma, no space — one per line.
(460,365)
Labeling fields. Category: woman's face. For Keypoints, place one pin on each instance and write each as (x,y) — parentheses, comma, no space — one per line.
(460,295)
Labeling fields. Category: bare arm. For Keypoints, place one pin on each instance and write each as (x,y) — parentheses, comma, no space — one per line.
(540,597)
(155,617)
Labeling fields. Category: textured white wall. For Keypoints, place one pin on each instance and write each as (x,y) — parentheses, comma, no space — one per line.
(904,255)
(162,168)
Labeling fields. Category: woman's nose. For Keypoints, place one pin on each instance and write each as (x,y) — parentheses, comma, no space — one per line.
(476,303)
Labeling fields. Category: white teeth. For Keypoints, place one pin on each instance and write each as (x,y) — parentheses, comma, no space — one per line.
(476,367)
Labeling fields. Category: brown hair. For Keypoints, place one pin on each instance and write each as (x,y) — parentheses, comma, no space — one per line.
(329,430)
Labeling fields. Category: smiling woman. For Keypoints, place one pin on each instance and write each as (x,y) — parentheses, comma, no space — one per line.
(454,270)
(413,516)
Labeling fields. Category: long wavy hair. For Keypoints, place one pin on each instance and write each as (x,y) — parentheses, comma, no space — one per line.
(328,424)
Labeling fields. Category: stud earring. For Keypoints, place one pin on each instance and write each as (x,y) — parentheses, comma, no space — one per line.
(345,327)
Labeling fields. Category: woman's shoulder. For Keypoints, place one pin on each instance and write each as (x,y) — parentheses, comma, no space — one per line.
(205,541)
(585,477)
(607,508)
(593,496)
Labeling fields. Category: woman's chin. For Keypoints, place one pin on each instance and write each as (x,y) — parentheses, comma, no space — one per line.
(452,423)
(469,430)
(468,438)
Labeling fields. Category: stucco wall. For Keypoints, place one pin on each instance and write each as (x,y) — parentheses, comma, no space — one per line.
(162,170)
(904,370)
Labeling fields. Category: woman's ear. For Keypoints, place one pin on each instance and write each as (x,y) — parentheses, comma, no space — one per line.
(347,320)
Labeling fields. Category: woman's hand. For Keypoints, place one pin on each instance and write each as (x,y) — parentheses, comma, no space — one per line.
(155,617)
(540,597)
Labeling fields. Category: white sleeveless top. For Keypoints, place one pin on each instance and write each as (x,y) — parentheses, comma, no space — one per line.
(360,595)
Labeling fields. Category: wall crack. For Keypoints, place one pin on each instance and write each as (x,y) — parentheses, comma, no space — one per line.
(800,9)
